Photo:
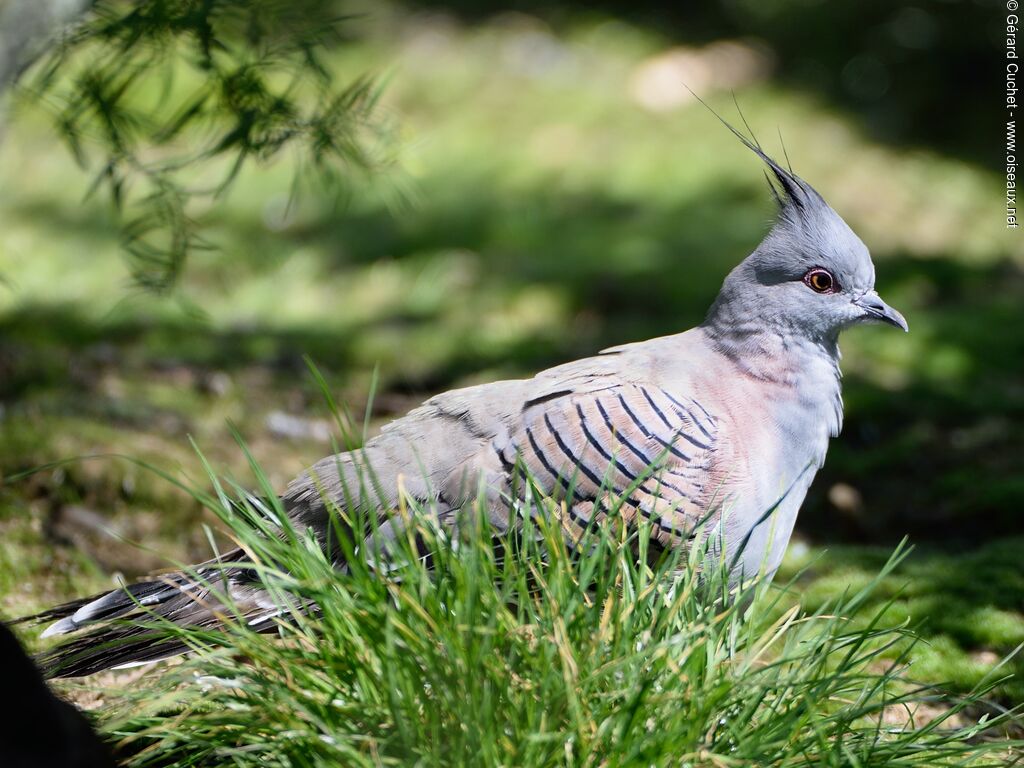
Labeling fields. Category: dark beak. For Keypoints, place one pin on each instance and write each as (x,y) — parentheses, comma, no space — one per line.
(876,309)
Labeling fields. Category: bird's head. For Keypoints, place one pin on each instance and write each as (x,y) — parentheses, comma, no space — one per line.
(811,275)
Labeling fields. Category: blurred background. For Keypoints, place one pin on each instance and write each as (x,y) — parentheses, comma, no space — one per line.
(526,183)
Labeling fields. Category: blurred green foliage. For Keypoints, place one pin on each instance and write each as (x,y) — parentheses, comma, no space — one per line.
(913,72)
(544,203)
(165,101)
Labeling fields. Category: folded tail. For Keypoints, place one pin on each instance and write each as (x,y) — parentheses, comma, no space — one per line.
(188,599)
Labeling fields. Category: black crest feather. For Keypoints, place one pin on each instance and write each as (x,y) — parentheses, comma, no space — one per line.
(795,191)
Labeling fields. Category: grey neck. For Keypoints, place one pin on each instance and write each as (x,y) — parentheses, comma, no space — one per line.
(768,351)
(803,369)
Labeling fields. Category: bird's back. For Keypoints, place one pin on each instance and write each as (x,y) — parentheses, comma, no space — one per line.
(670,425)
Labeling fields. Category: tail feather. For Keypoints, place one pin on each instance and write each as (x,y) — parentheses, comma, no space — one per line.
(108,647)
(50,614)
(195,599)
(120,602)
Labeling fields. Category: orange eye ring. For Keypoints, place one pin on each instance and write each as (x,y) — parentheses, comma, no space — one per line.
(820,281)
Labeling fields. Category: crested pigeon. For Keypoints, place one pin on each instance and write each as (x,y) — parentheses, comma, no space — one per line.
(720,428)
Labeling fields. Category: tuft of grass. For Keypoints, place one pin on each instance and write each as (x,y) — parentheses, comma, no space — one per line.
(964,604)
(531,649)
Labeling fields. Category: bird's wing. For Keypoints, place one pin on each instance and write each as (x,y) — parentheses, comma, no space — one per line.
(633,447)
(425,455)
(588,426)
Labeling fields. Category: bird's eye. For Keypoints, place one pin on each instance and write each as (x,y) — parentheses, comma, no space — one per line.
(820,280)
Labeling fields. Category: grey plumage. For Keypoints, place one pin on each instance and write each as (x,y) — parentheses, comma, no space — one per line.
(734,416)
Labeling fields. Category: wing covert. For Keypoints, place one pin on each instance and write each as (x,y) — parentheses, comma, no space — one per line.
(637,443)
